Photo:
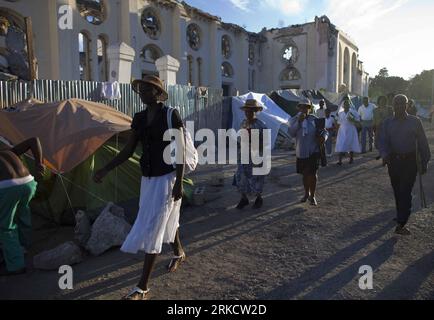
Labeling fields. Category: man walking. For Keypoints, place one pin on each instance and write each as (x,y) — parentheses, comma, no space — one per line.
(402,141)
(320,113)
(366,112)
(381,113)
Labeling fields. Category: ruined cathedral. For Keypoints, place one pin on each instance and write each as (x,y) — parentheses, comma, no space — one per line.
(111,40)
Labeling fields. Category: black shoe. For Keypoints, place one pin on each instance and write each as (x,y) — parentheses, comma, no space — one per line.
(378,158)
(243,203)
(258,203)
(402,230)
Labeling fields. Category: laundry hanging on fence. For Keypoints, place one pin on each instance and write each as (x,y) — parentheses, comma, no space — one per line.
(111,90)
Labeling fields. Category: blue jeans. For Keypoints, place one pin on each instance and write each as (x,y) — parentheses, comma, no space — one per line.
(367,129)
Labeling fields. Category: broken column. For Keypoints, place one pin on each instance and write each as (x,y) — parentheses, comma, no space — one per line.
(121,57)
(167,67)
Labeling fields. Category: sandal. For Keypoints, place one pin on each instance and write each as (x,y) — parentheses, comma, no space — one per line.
(313,201)
(176,262)
(304,199)
(137,294)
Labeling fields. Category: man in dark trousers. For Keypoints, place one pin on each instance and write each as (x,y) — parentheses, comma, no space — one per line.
(402,141)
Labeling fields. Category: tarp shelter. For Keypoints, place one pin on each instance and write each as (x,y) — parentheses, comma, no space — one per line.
(316,96)
(273,116)
(424,112)
(289,99)
(87,135)
(70,131)
(77,136)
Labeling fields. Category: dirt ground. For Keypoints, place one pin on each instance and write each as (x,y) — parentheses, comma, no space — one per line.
(286,250)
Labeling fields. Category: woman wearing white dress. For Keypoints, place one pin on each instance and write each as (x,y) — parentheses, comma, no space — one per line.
(161,189)
(348,138)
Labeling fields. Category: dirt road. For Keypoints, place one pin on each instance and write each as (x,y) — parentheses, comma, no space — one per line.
(284,251)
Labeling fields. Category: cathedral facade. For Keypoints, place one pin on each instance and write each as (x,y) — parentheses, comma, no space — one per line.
(81,39)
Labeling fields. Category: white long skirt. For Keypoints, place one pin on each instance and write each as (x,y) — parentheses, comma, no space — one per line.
(158,217)
(348,140)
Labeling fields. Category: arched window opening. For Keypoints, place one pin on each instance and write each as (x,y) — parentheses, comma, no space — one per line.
(227,70)
(290,74)
(151,53)
(226,47)
(199,71)
(102,44)
(94,11)
(84,51)
(151,23)
(190,70)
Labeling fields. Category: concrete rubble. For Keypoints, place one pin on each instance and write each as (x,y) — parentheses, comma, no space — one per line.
(67,253)
(109,230)
(83,228)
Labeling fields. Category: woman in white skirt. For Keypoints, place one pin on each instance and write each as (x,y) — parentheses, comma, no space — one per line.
(161,191)
(348,138)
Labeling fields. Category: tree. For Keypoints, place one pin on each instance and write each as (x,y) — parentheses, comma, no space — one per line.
(421,87)
(383,84)
(383,73)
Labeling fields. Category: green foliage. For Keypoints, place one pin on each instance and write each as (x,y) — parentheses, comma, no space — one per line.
(420,87)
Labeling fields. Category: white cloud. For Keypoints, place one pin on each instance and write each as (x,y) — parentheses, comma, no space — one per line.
(389,33)
(356,15)
(287,7)
(241,4)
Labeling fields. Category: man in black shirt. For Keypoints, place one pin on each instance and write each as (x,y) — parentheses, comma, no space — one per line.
(161,188)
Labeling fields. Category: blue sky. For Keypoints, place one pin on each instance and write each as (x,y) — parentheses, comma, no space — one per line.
(397,34)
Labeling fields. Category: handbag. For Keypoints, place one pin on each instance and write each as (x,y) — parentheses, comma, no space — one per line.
(191,155)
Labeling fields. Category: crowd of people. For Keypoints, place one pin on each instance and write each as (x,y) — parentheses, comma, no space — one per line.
(399,138)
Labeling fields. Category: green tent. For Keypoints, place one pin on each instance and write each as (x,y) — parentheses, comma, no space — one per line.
(59,196)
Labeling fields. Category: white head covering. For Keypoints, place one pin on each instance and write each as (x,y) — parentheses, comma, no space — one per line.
(341,106)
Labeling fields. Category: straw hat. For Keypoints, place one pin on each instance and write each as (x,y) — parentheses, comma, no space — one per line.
(152,80)
(305,102)
(253,105)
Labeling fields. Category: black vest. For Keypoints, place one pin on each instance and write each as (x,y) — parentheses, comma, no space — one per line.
(151,137)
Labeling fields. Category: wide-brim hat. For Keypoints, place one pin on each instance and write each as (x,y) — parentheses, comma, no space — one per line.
(305,102)
(152,80)
(253,105)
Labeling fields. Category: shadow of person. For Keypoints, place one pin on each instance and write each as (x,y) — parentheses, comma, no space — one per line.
(294,287)
(406,286)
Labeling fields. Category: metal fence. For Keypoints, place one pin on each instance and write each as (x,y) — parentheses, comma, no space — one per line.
(202,105)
